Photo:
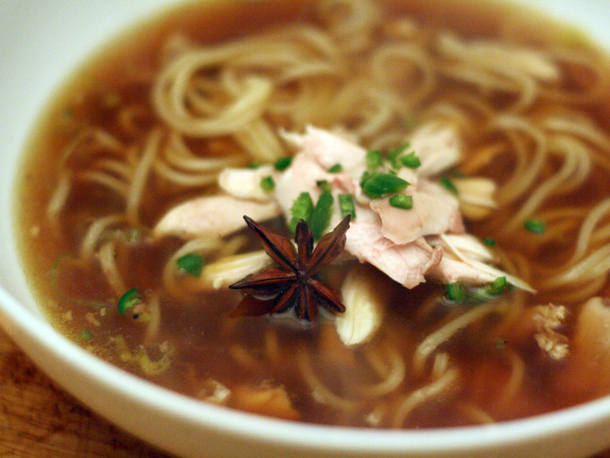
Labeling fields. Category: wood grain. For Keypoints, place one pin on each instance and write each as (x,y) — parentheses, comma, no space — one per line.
(39,420)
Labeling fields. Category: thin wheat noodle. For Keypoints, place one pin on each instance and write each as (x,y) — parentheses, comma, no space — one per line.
(443,334)
(150,150)
(107,258)
(446,385)
(92,237)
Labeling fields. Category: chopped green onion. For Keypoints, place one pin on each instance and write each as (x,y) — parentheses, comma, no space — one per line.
(85,335)
(302,209)
(455,292)
(393,154)
(254,165)
(320,218)
(282,163)
(267,184)
(489,241)
(410,160)
(380,184)
(191,263)
(324,185)
(336,168)
(365,176)
(374,159)
(496,287)
(448,185)
(535,225)
(500,344)
(402,201)
(346,203)
(128,300)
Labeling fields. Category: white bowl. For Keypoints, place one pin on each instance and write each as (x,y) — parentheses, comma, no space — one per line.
(41,43)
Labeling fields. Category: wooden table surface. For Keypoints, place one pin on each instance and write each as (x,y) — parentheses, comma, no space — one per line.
(39,420)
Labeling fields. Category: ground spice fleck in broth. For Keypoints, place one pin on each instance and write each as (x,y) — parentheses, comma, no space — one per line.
(519,113)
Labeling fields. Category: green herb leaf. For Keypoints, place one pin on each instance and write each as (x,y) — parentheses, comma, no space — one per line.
(282,163)
(489,241)
(448,185)
(302,209)
(320,218)
(455,292)
(346,203)
(128,300)
(85,335)
(379,184)
(254,165)
(324,185)
(496,287)
(191,263)
(535,225)
(402,201)
(393,154)
(267,184)
(374,159)
(410,160)
(336,168)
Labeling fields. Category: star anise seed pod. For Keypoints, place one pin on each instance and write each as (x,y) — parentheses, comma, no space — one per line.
(293,283)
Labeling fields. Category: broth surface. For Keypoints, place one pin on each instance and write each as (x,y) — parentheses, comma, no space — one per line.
(199,347)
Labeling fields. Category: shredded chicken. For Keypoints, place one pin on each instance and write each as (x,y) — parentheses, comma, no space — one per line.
(547,319)
(589,364)
(212,216)
(364,308)
(395,240)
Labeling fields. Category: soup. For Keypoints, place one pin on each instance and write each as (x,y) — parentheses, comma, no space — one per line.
(467,285)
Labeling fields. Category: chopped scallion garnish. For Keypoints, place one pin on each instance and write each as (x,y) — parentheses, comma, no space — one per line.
(324,185)
(489,241)
(402,201)
(393,154)
(378,185)
(254,165)
(267,184)
(191,263)
(128,300)
(455,292)
(448,185)
(346,203)
(535,225)
(374,159)
(85,335)
(410,160)
(282,163)
(496,287)
(302,209)
(320,218)
(336,168)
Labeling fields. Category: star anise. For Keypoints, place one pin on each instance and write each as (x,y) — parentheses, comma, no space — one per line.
(293,283)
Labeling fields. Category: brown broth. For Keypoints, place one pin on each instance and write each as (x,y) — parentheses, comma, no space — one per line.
(74,295)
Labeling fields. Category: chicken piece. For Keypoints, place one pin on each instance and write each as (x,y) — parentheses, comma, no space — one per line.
(364,307)
(246,183)
(467,260)
(212,216)
(435,211)
(438,147)
(588,368)
(406,264)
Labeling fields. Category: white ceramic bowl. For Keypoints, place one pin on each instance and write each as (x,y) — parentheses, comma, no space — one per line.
(41,42)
